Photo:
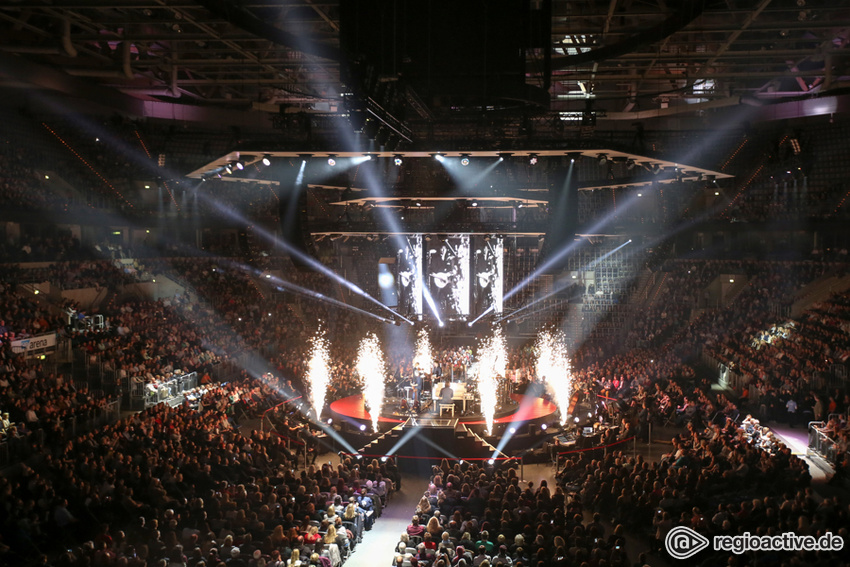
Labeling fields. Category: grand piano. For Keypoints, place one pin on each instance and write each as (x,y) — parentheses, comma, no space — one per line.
(459,394)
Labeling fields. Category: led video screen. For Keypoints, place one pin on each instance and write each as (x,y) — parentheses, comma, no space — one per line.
(409,280)
(488,269)
(448,267)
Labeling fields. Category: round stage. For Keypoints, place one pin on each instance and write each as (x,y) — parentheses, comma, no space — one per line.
(526,408)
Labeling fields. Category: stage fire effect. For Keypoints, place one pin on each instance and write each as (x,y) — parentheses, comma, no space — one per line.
(372,369)
(492,362)
(319,371)
(553,364)
(423,356)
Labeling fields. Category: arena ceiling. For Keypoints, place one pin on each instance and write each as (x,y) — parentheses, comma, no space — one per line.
(581,60)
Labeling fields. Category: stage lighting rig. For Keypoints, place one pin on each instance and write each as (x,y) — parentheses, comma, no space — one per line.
(464,159)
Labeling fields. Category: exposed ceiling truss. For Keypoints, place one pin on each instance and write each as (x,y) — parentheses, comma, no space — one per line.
(606,56)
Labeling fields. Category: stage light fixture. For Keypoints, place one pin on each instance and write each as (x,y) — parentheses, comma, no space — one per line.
(544,427)
(398,160)
(418,203)
(603,159)
(228,168)
(474,203)
(532,159)
(362,428)
(266,161)
(490,461)
(331,160)
(464,159)
(368,157)
(439,157)
(504,155)
(240,165)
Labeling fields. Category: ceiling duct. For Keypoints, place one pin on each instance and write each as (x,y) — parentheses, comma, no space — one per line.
(245,19)
(688,12)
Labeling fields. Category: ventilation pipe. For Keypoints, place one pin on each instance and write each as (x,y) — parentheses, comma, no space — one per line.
(125,59)
(126,71)
(67,45)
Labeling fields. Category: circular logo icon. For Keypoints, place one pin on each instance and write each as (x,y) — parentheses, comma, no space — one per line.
(683,542)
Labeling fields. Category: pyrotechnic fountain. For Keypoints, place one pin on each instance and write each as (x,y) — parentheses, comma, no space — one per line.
(372,369)
(553,365)
(492,362)
(318,371)
(423,356)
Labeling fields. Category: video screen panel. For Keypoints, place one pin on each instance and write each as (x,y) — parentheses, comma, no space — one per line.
(409,280)
(448,274)
(487,287)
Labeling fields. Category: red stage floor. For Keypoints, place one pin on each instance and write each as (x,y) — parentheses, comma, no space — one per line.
(529,408)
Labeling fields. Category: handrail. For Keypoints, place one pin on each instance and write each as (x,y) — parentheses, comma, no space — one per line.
(274,407)
(821,443)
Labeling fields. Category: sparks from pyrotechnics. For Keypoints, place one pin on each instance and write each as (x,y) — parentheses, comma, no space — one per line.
(423,355)
(373,372)
(553,365)
(492,363)
(319,370)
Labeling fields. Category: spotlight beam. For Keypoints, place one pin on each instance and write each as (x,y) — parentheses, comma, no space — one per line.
(408,435)
(387,215)
(553,260)
(474,321)
(564,286)
(321,297)
(463,178)
(312,262)
(443,449)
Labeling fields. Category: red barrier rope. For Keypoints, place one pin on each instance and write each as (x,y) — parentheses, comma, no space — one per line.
(263,419)
(282,436)
(598,447)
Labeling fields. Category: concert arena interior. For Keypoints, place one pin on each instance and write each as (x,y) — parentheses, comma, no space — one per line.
(424,283)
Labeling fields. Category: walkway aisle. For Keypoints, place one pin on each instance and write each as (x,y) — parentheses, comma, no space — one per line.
(378,546)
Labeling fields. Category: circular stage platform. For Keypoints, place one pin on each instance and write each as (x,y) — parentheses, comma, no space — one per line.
(526,408)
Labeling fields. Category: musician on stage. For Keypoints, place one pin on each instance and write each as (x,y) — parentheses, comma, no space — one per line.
(418,382)
(446,394)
